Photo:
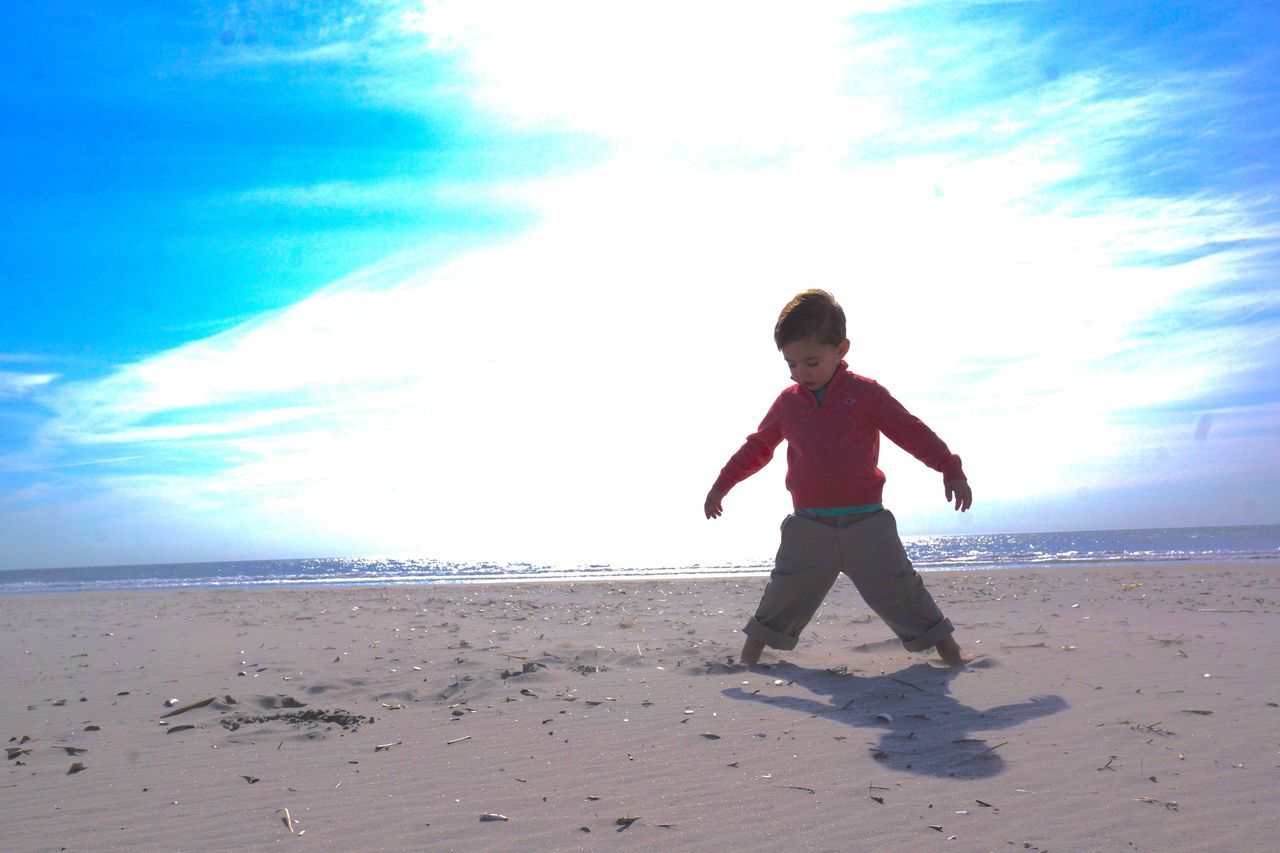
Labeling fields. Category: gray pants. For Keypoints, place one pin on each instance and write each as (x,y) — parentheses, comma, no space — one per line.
(866,547)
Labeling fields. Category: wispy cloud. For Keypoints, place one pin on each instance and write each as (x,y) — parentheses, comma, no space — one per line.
(391,194)
(334,52)
(17,385)
(268,33)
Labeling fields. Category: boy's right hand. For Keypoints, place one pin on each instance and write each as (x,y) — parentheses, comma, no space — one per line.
(959,491)
(712,507)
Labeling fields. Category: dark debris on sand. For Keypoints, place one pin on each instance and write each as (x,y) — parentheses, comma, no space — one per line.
(528,667)
(310,718)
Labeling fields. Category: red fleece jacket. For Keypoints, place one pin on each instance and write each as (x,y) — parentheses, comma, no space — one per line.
(833,449)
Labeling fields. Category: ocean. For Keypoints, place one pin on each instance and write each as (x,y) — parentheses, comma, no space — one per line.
(981,552)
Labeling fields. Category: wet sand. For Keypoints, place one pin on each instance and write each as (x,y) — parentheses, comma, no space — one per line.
(1133,707)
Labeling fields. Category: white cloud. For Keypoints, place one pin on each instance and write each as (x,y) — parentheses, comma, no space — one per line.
(391,194)
(334,52)
(17,385)
(586,381)
(569,394)
(750,77)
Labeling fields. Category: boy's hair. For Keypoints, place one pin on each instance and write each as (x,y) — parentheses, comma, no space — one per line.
(811,314)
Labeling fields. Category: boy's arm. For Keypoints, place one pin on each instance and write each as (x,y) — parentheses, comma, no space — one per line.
(912,435)
(754,454)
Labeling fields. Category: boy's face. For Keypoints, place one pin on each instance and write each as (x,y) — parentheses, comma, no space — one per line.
(812,363)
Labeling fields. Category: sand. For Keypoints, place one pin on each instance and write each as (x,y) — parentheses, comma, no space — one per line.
(1122,708)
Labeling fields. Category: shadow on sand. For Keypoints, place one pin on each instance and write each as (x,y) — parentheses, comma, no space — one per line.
(923,729)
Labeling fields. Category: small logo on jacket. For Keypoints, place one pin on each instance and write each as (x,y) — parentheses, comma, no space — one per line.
(849,402)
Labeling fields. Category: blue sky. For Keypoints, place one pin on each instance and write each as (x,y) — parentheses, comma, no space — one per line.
(291,279)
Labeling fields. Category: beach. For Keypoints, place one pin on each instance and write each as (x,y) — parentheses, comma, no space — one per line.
(1120,707)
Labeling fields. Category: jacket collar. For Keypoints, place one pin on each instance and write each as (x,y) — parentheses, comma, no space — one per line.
(841,371)
(838,377)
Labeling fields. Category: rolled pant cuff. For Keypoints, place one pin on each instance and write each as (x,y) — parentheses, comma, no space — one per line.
(929,638)
(774,639)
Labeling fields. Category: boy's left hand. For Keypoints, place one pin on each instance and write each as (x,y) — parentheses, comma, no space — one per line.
(712,506)
(959,491)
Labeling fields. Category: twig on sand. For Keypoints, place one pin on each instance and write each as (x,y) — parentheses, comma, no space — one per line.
(1166,640)
(457,740)
(882,754)
(986,751)
(1171,805)
(1108,766)
(190,706)
(909,684)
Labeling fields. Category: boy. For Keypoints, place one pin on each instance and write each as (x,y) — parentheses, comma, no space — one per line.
(832,420)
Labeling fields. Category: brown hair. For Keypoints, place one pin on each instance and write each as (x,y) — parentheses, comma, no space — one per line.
(810,314)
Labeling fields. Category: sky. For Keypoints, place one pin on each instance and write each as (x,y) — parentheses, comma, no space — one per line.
(497,281)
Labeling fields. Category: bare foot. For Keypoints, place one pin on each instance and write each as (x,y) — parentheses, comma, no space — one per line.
(953,655)
(751,650)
